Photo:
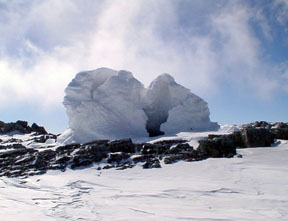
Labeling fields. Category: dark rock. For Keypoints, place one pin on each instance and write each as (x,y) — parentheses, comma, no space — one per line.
(22,123)
(97,142)
(37,172)
(117,157)
(194,155)
(13,140)
(280,125)
(280,133)
(138,147)
(154,148)
(41,139)
(67,149)
(108,167)
(212,136)
(150,148)
(159,147)
(151,163)
(44,158)
(124,145)
(257,137)
(17,152)
(46,155)
(180,148)
(93,152)
(172,159)
(44,138)
(56,166)
(258,124)
(12,174)
(2,124)
(16,162)
(80,162)
(119,153)
(170,142)
(208,148)
(125,166)
(38,129)
(217,147)
(20,126)
(17,146)
(156,164)
(3,147)
(190,155)
(237,138)
(63,160)
(261,124)
(24,160)
(147,165)
(141,158)
(86,155)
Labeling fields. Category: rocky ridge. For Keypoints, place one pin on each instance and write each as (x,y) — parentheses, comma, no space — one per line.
(39,151)
(21,127)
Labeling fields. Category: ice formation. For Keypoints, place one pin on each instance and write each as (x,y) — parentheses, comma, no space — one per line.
(105,103)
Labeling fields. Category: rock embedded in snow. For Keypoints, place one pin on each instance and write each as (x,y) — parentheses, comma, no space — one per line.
(30,154)
(20,127)
(105,103)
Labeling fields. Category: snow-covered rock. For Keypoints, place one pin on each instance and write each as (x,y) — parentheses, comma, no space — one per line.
(105,103)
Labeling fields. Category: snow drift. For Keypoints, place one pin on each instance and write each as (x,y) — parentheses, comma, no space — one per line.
(105,103)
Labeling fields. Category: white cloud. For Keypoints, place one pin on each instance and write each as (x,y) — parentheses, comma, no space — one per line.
(47,43)
(282,11)
(42,84)
(285,74)
(285,79)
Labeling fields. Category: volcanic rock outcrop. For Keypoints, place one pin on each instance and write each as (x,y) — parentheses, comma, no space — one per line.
(25,153)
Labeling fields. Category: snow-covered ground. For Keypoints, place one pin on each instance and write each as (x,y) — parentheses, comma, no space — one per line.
(254,187)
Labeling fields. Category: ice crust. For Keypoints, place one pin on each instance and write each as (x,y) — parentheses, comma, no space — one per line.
(109,104)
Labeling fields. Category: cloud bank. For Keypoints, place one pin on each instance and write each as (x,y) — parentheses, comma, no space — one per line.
(205,45)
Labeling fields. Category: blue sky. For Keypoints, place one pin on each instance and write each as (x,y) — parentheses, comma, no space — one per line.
(233,54)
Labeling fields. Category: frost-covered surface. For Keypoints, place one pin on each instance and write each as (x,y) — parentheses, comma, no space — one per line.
(192,138)
(250,188)
(105,104)
(186,111)
(112,104)
(28,141)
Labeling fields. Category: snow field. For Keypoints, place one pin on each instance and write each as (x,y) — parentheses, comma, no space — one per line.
(250,188)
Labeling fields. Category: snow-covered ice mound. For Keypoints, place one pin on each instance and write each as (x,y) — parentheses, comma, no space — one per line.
(105,104)
(109,104)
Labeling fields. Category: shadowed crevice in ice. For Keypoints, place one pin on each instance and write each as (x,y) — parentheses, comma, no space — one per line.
(159,103)
(154,121)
